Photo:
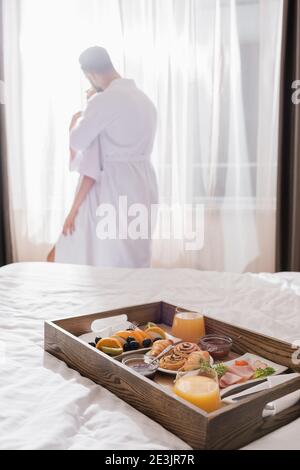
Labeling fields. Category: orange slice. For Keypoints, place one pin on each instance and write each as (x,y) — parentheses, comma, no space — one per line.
(120,339)
(144,334)
(125,334)
(156,329)
(136,334)
(155,336)
(109,343)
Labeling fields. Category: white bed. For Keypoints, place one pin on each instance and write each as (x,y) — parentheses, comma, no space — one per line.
(45,405)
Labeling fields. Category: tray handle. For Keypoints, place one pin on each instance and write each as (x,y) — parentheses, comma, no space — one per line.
(265,397)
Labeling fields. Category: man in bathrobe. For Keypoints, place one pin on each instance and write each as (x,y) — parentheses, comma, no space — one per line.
(115,137)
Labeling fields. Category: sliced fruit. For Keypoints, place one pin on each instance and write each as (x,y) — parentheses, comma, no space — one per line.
(124,334)
(109,343)
(111,351)
(155,336)
(144,334)
(156,329)
(138,336)
(151,325)
(121,340)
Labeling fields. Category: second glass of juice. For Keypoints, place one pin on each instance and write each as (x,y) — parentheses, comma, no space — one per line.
(188,326)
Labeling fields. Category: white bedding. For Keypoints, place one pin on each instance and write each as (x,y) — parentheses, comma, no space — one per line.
(45,405)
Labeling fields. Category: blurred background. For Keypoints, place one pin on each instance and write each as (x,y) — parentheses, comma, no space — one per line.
(212,68)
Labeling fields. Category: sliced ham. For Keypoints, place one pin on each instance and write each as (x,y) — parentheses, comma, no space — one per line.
(236,375)
(229,379)
(245,372)
(259,365)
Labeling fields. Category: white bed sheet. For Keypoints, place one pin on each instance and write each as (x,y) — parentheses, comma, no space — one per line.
(45,405)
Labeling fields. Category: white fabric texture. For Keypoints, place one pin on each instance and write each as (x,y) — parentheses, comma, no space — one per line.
(45,405)
(115,137)
(90,162)
(211,67)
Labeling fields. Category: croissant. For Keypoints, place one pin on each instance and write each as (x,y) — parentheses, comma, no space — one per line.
(185,349)
(159,346)
(196,360)
(172,362)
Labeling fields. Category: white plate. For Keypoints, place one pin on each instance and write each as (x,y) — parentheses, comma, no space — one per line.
(251,358)
(169,372)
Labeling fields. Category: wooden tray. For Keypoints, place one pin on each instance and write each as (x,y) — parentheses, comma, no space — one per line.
(231,427)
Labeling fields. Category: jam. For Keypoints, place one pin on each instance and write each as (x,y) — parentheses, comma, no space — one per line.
(218,346)
(139,365)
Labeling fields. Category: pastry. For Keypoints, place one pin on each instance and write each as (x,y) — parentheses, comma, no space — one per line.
(159,346)
(172,362)
(196,360)
(185,349)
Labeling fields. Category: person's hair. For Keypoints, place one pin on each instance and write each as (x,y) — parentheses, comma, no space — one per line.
(96,60)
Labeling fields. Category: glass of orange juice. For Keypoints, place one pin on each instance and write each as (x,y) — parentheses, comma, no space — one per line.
(201,388)
(188,326)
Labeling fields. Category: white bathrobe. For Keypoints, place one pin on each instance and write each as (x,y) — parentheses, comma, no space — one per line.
(114,140)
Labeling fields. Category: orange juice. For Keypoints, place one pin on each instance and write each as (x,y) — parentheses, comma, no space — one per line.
(188,326)
(201,391)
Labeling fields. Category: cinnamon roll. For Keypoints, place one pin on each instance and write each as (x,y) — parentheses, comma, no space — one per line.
(172,362)
(185,349)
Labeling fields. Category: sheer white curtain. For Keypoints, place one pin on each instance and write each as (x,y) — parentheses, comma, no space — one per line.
(212,69)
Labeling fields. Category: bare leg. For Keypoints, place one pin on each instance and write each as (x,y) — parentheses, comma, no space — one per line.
(51,256)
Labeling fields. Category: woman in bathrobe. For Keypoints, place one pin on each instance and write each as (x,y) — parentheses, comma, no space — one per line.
(113,140)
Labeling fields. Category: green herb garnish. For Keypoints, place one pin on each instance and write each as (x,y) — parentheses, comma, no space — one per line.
(261,373)
(220,369)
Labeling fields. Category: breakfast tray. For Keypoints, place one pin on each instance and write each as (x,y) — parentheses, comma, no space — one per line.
(231,427)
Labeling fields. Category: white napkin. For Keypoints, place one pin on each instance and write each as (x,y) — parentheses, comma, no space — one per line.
(110,324)
(285,402)
(105,327)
